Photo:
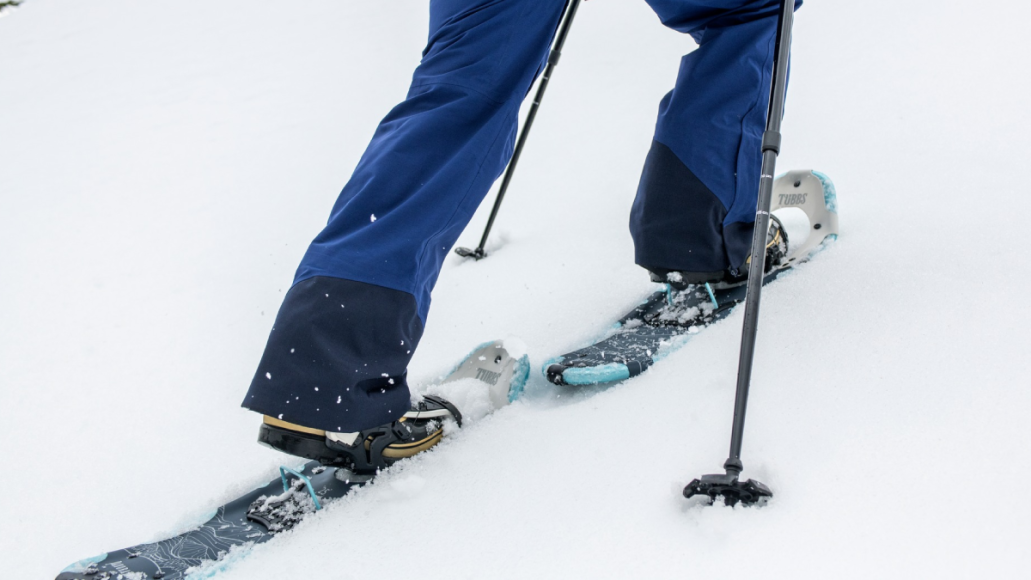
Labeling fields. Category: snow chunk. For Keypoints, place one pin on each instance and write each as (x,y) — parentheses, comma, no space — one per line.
(515,346)
(470,396)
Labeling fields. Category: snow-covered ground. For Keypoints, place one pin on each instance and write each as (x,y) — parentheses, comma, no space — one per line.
(164,164)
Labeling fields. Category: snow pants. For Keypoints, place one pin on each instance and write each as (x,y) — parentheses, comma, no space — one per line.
(337,355)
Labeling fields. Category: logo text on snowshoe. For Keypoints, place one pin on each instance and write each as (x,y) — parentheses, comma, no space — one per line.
(792,198)
(486,376)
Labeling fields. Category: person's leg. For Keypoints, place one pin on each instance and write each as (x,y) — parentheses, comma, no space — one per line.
(338,352)
(695,205)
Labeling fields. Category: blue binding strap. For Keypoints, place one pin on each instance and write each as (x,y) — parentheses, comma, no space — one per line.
(712,296)
(307,482)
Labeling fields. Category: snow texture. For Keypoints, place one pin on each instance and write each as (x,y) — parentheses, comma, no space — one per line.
(165,164)
(471,396)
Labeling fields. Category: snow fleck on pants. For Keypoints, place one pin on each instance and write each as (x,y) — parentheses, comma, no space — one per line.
(339,349)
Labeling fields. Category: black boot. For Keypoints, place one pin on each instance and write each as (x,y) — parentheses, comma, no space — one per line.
(776,251)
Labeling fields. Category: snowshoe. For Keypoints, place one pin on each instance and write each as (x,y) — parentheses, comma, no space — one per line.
(491,371)
(669,317)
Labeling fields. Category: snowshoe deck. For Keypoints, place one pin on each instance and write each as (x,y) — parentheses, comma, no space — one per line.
(253,518)
(660,325)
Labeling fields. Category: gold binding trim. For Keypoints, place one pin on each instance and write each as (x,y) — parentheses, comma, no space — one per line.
(400,450)
(395,451)
(293,426)
(773,242)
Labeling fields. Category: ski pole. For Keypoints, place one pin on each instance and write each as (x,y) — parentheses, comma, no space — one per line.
(728,485)
(553,57)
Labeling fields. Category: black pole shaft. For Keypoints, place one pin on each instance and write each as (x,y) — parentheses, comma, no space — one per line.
(770,147)
(553,57)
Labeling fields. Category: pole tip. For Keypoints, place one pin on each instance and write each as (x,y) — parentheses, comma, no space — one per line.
(477,254)
(730,489)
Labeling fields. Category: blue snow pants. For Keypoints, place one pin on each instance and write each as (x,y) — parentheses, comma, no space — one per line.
(338,352)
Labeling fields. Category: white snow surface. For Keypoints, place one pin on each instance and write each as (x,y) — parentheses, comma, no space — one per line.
(472,397)
(163,166)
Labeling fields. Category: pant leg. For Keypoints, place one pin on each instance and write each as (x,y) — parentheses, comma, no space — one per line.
(337,354)
(696,201)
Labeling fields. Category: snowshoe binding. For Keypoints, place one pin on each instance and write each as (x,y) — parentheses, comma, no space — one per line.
(370,450)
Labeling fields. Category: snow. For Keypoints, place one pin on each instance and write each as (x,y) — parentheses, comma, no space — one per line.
(164,165)
(470,396)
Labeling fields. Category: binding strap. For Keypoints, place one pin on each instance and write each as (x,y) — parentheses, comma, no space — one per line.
(447,405)
(366,453)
